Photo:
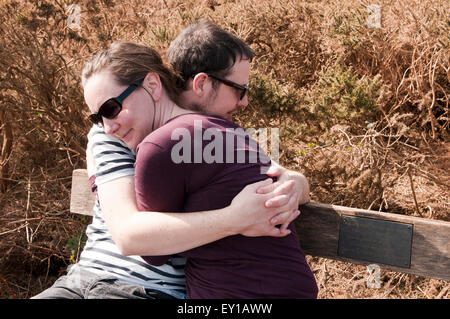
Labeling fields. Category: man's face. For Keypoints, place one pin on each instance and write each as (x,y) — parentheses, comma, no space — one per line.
(225,100)
(134,122)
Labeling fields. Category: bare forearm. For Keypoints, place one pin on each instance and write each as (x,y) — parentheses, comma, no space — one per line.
(169,232)
(155,233)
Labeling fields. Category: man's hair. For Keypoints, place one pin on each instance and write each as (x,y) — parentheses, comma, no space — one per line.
(129,62)
(204,47)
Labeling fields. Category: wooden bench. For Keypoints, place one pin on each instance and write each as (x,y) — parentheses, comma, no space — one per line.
(394,242)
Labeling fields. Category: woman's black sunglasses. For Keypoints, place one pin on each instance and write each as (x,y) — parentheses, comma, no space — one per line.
(112,107)
(243,88)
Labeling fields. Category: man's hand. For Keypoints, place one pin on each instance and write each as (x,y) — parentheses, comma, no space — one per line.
(301,186)
(257,214)
(301,183)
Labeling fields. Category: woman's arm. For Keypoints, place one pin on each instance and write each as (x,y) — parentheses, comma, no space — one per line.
(136,232)
(154,233)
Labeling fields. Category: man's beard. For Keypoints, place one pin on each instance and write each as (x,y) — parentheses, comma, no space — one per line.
(204,107)
(196,108)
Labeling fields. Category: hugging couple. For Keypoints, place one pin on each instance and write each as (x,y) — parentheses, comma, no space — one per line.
(192,228)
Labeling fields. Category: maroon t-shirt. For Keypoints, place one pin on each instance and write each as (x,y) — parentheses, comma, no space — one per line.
(194,163)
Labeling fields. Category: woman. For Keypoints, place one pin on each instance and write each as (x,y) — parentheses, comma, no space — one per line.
(145,106)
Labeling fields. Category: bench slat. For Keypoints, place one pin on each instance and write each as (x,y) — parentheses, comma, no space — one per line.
(82,200)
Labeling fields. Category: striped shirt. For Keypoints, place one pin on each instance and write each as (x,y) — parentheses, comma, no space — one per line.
(100,255)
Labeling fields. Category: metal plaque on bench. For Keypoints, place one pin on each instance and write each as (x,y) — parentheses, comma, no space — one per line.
(372,240)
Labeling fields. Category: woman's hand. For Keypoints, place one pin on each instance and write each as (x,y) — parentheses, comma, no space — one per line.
(301,183)
(256,213)
(301,188)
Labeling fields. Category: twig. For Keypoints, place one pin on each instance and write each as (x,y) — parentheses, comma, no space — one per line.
(35,182)
(431,177)
(78,247)
(12,230)
(412,189)
(413,147)
(426,295)
(14,221)
(442,293)
(7,287)
(348,138)
(27,231)
(433,94)
(387,293)
(431,211)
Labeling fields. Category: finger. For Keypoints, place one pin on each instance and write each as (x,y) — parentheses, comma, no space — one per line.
(284,198)
(292,217)
(265,189)
(264,184)
(284,232)
(280,218)
(278,188)
(275,232)
(278,201)
(284,227)
(291,205)
(284,187)
(285,218)
(274,171)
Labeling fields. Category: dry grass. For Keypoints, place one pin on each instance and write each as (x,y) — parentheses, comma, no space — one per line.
(363,112)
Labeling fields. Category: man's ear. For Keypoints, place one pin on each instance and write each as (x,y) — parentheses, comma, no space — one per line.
(200,83)
(152,83)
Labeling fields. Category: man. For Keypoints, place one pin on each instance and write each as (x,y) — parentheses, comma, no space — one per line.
(203,48)
(104,273)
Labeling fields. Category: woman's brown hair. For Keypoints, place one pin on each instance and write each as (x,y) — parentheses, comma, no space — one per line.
(130,62)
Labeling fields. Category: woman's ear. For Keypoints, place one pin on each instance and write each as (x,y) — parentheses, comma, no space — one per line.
(199,84)
(152,83)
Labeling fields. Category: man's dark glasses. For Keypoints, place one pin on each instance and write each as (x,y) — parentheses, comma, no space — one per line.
(243,88)
(112,107)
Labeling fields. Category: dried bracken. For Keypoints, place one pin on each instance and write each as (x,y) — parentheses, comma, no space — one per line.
(362,110)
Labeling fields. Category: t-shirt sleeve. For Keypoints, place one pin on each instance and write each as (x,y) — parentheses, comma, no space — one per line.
(159,184)
(113,159)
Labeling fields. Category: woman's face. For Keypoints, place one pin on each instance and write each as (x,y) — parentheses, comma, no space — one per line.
(134,122)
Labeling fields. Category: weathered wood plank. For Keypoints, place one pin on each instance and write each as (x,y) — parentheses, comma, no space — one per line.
(81,198)
(318,228)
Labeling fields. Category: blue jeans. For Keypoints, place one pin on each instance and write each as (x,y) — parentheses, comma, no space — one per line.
(83,284)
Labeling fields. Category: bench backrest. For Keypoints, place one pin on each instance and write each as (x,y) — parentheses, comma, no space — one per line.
(394,242)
